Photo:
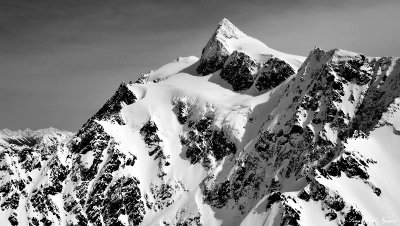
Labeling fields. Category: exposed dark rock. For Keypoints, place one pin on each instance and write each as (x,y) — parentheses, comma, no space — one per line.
(352,70)
(247,179)
(111,109)
(377,99)
(203,124)
(28,141)
(239,71)
(11,202)
(317,191)
(149,133)
(290,216)
(273,73)
(194,153)
(91,137)
(331,216)
(214,63)
(353,218)
(303,194)
(264,145)
(41,203)
(274,197)
(163,195)
(202,140)
(350,166)
(219,195)
(182,112)
(194,221)
(5,189)
(123,197)
(46,222)
(336,203)
(377,191)
(13,219)
(296,129)
(221,146)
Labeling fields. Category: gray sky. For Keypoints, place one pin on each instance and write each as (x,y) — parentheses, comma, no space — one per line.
(60,60)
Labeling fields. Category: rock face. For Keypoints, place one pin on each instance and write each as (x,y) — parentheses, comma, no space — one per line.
(175,148)
(239,70)
(99,195)
(273,73)
(111,109)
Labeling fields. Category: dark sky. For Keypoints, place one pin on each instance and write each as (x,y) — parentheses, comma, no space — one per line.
(60,60)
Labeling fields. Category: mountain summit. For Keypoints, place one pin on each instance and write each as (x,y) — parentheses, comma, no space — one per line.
(218,48)
(245,135)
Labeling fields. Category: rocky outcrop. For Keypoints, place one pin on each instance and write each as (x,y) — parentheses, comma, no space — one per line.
(154,146)
(111,109)
(203,142)
(239,70)
(273,73)
(383,90)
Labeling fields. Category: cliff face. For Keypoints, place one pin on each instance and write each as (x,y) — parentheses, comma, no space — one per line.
(245,135)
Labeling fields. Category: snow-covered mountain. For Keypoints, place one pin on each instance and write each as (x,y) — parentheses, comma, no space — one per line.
(245,135)
(33,166)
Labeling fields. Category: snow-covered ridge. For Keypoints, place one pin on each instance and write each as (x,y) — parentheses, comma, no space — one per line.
(245,135)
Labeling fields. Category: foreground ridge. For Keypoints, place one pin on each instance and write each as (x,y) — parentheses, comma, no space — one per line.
(243,135)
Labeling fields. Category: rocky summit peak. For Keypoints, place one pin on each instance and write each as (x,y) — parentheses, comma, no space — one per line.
(218,47)
(227,40)
(225,22)
(227,30)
